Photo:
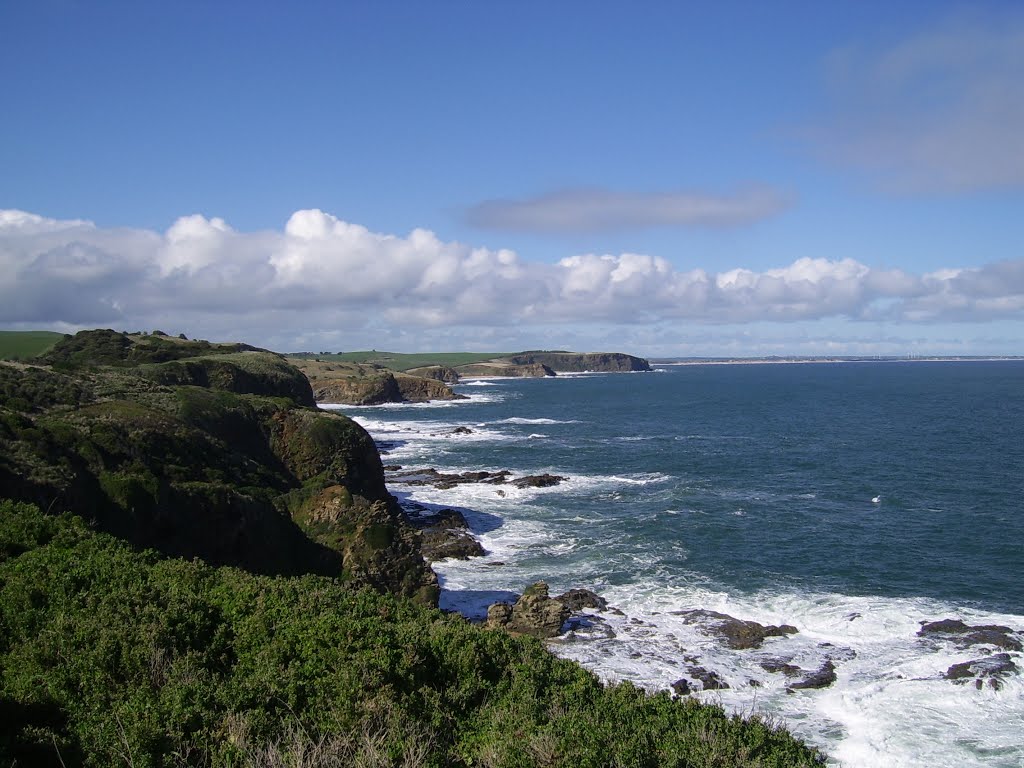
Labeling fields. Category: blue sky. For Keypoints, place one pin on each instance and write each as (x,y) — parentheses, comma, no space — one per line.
(660,178)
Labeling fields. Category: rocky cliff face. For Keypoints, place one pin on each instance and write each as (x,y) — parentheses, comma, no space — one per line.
(357,384)
(578,362)
(216,456)
(505,368)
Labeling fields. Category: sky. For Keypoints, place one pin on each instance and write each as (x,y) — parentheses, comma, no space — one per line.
(665,179)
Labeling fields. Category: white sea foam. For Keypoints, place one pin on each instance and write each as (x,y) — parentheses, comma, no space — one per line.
(889,705)
(520,420)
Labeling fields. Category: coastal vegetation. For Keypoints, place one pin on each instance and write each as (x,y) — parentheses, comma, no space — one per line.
(198,567)
(112,656)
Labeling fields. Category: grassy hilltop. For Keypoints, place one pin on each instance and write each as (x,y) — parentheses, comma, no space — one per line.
(198,567)
(24,345)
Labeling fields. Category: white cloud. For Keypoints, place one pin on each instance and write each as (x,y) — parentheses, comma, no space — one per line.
(599,210)
(321,276)
(941,112)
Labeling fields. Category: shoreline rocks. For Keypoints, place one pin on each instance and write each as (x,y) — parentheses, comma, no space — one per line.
(535,613)
(737,634)
(991,669)
(444,480)
(965,635)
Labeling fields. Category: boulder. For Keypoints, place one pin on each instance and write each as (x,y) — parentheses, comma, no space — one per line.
(681,687)
(822,678)
(578,599)
(735,633)
(708,679)
(535,613)
(993,669)
(538,481)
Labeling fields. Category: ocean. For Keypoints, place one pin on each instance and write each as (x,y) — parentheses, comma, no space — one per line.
(852,501)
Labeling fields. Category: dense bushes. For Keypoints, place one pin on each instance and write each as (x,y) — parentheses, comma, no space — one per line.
(111,656)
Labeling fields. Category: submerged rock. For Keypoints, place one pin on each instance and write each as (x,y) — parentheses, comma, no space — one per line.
(965,635)
(822,678)
(538,481)
(993,668)
(708,679)
(736,633)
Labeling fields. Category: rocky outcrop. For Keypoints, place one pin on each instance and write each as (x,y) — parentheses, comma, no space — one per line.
(357,384)
(964,635)
(535,614)
(579,362)
(211,456)
(823,677)
(992,670)
(578,599)
(444,534)
(416,389)
(445,480)
(710,681)
(538,481)
(735,633)
(437,373)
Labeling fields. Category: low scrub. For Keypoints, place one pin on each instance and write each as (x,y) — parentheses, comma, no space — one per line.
(114,656)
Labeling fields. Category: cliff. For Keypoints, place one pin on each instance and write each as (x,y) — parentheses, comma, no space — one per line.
(201,450)
(579,362)
(505,368)
(358,384)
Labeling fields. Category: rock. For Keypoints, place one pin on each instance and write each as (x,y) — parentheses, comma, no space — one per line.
(444,481)
(736,633)
(965,635)
(822,678)
(578,599)
(445,543)
(708,679)
(681,687)
(535,613)
(499,615)
(778,665)
(991,668)
(436,372)
(445,535)
(462,431)
(538,481)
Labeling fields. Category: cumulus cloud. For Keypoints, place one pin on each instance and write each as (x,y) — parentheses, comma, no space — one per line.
(323,276)
(940,112)
(599,210)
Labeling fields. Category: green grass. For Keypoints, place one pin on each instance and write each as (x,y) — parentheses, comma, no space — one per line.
(400,361)
(24,345)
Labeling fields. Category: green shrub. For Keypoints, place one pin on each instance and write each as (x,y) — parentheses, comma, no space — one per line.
(111,656)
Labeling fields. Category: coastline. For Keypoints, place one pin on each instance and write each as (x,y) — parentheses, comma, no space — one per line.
(829,360)
(869,640)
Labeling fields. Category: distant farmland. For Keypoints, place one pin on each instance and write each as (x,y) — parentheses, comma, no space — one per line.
(23,345)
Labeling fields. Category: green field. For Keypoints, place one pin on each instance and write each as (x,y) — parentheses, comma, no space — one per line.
(23,345)
(399,361)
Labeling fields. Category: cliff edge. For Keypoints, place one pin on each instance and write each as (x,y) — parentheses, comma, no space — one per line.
(200,450)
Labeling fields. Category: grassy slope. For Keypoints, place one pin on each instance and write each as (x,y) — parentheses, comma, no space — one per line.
(399,361)
(22,345)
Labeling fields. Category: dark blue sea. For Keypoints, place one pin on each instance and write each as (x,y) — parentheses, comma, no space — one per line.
(853,501)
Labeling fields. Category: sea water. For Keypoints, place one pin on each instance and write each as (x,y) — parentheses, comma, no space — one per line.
(854,501)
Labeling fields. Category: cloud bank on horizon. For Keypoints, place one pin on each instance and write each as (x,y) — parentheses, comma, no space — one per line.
(321,274)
